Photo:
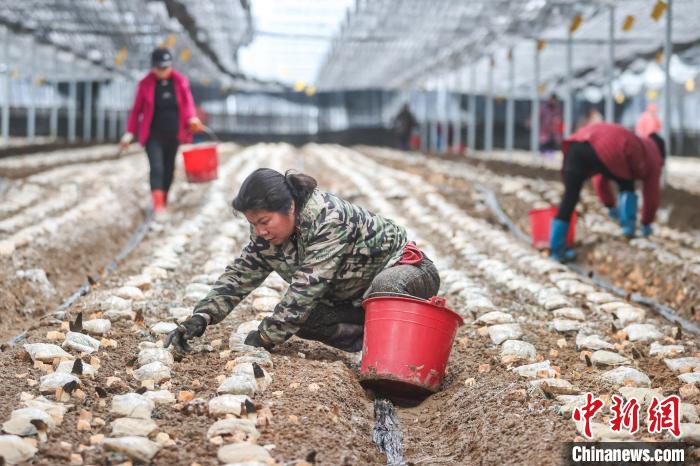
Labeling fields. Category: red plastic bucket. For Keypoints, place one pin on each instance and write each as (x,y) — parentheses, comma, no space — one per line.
(406,345)
(201,163)
(540,223)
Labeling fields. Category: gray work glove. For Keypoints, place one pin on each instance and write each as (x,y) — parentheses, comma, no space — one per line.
(194,326)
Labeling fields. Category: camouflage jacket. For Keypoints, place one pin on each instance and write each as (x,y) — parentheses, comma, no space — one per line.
(337,250)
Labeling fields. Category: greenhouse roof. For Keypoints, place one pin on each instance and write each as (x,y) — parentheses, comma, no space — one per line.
(76,38)
(413,44)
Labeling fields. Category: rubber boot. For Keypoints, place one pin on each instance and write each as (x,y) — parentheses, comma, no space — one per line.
(557,241)
(158,200)
(628,213)
(619,206)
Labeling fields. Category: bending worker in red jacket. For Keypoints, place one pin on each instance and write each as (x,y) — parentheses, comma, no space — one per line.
(610,152)
(163,116)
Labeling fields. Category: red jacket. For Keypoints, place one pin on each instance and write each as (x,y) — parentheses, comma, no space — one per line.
(139,122)
(627,156)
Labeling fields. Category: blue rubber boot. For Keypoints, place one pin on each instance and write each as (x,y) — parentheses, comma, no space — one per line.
(628,213)
(619,206)
(557,241)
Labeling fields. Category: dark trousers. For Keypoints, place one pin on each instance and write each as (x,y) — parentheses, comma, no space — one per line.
(580,163)
(405,141)
(341,324)
(161,158)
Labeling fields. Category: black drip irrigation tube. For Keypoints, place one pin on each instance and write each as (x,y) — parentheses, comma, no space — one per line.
(387,432)
(661,309)
(133,241)
(502,217)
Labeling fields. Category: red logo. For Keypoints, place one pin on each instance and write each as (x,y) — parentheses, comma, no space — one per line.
(665,415)
(626,414)
(661,415)
(586,412)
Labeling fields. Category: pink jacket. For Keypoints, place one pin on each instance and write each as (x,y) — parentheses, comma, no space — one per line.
(648,123)
(627,156)
(139,122)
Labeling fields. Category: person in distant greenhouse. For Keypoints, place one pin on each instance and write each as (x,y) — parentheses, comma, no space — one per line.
(404,123)
(648,122)
(609,152)
(163,117)
(332,253)
(551,126)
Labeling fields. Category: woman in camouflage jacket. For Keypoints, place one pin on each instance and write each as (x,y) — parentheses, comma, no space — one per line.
(331,252)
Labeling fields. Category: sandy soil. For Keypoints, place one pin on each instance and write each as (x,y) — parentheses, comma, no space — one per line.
(484,414)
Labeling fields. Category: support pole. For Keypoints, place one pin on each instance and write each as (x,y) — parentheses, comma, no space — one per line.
(31,106)
(488,127)
(535,108)
(87,111)
(609,102)
(113,125)
(434,146)
(55,97)
(457,96)
(569,98)
(510,106)
(471,136)
(122,121)
(441,143)
(127,98)
(448,120)
(425,126)
(8,90)
(100,113)
(72,109)
(112,114)
(666,128)
(121,96)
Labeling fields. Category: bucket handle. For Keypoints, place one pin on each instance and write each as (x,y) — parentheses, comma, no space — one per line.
(379,294)
(210,132)
(437,301)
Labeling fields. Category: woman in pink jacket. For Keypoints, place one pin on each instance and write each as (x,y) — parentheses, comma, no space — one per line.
(163,117)
(648,122)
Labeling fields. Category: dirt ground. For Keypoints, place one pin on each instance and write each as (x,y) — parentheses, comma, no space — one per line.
(610,256)
(437,431)
(485,413)
(80,253)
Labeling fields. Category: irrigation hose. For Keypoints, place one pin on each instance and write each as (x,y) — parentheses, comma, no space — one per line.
(131,244)
(661,309)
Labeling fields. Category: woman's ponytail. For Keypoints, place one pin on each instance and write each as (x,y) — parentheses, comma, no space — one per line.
(267,189)
(300,186)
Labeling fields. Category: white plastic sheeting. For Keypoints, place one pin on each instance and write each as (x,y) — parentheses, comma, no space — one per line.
(90,39)
(406,43)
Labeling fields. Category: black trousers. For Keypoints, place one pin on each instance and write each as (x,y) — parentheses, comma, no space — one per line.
(580,163)
(161,158)
(341,324)
(404,141)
